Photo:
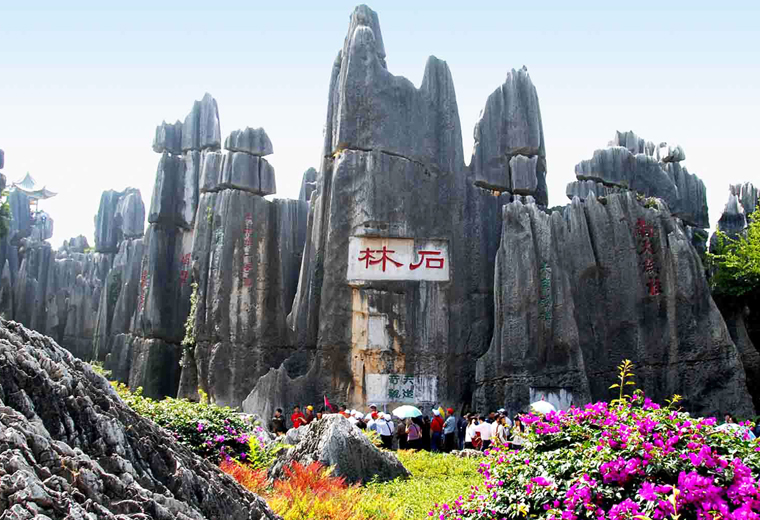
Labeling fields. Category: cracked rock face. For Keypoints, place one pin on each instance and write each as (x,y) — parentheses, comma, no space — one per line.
(70,448)
(630,163)
(508,133)
(393,170)
(246,255)
(121,215)
(582,289)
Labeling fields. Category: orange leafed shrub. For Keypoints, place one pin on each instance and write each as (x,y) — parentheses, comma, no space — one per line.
(251,479)
(311,492)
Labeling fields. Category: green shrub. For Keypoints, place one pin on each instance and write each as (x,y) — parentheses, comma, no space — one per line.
(736,262)
(213,432)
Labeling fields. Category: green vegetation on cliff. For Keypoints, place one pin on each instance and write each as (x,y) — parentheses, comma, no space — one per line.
(736,262)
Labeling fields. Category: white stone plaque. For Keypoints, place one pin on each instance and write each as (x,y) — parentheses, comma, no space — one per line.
(401,388)
(398,259)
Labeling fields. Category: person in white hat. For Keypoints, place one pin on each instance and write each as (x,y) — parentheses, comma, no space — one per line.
(436,431)
(385,430)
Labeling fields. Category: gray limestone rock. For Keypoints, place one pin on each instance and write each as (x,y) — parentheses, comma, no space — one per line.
(130,214)
(154,367)
(242,171)
(106,232)
(509,125)
(121,215)
(692,196)
(2,159)
(674,154)
(72,449)
(582,189)
(76,244)
(334,441)
(164,294)
(523,174)
(254,141)
(356,334)
(308,184)
(380,111)
(119,299)
(630,141)
(175,193)
(21,216)
(267,183)
(579,291)
(748,195)
(168,138)
(619,167)
(42,226)
(633,164)
(247,254)
(211,171)
(201,127)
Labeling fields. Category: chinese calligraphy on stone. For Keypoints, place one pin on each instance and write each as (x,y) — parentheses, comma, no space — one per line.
(645,237)
(398,259)
(247,245)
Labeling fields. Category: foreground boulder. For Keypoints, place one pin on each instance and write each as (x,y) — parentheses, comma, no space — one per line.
(70,448)
(334,441)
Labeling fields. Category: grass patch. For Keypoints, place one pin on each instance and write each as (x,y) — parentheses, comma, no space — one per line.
(436,478)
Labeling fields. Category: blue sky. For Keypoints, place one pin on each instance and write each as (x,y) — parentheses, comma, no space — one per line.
(83,85)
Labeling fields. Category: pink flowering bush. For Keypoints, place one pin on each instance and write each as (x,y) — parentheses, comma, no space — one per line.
(629,460)
(213,432)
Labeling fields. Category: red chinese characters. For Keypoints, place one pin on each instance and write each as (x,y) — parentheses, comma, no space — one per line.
(646,235)
(247,245)
(369,257)
(144,279)
(185,266)
(432,259)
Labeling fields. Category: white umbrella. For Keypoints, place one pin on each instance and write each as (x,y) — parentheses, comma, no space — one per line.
(543,407)
(736,429)
(407,411)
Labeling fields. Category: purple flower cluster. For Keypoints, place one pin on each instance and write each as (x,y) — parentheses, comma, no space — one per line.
(631,459)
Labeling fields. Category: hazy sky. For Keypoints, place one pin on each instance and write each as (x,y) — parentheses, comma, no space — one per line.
(83,85)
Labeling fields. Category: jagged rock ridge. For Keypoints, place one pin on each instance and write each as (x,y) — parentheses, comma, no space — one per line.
(70,448)
(582,289)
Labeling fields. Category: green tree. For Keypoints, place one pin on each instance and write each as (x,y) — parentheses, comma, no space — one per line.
(735,264)
(5,214)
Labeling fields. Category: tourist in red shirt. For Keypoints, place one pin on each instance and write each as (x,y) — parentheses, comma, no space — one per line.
(298,419)
(436,429)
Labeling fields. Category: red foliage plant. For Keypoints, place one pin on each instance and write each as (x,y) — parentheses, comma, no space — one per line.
(251,479)
(314,479)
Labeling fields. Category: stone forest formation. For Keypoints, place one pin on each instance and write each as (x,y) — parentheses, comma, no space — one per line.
(401,274)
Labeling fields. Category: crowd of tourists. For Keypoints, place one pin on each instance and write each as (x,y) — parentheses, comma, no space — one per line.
(442,430)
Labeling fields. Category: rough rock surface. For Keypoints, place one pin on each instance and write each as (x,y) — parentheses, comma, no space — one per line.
(70,448)
(742,314)
(119,299)
(308,184)
(510,125)
(201,127)
(742,202)
(254,141)
(121,215)
(581,290)
(392,168)
(76,244)
(633,164)
(168,138)
(334,441)
(246,256)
